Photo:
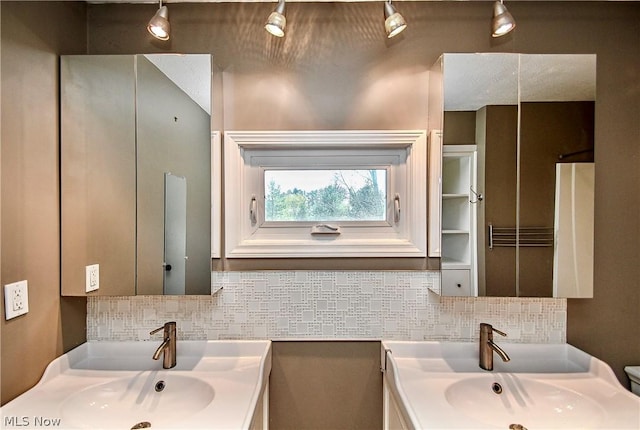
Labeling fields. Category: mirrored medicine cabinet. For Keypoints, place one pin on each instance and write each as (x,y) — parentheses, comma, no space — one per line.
(136,138)
(516,134)
(136,174)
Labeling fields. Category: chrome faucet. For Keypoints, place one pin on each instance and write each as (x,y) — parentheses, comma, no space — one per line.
(168,345)
(487,347)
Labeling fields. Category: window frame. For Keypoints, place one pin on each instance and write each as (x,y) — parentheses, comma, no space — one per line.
(248,153)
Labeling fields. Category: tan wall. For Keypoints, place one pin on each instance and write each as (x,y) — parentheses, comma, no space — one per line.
(459,128)
(32,37)
(501,134)
(326,385)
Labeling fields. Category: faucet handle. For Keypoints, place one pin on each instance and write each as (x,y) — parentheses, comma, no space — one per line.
(487,328)
(156,330)
(501,333)
(167,327)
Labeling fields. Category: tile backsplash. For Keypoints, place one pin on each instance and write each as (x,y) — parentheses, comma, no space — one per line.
(326,305)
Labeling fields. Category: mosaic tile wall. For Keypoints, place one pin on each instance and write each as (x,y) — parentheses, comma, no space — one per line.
(326,305)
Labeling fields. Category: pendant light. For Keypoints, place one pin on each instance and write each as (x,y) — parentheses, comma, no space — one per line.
(277,21)
(503,21)
(159,26)
(394,23)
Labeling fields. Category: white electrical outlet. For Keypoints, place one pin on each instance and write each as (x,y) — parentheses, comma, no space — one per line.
(92,281)
(16,299)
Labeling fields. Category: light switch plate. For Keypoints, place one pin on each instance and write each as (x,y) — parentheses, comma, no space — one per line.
(16,299)
(92,277)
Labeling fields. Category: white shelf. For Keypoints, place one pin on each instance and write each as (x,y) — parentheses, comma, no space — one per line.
(454,265)
(456,247)
(458,214)
(456,173)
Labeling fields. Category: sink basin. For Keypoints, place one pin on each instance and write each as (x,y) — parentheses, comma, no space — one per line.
(117,385)
(505,399)
(155,397)
(440,385)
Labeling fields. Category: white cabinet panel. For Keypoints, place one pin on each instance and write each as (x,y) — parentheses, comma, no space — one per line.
(456,283)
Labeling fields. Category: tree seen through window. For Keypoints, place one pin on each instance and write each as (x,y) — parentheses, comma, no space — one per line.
(325,195)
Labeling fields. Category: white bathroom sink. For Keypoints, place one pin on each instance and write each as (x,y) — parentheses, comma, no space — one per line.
(154,397)
(503,399)
(441,385)
(117,385)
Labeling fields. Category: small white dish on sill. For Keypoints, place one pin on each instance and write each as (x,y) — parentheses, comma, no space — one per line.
(440,385)
(117,385)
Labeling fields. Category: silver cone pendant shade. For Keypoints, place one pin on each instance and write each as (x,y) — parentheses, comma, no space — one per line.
(277,21)
(394,23)
(502,22)
(159,25)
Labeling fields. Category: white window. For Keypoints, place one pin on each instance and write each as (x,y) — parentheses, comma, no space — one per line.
(325,194)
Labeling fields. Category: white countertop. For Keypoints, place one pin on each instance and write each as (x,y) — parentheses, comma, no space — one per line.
(102,385)
(440,385)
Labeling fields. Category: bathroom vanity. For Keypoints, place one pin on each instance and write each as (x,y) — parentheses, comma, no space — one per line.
(105,385)
(441,385)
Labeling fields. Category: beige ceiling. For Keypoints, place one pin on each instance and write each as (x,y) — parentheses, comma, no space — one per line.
(191,73)
(475,80)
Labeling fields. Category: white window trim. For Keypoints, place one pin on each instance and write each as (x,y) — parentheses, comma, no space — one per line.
(243,240)
(216,193)
(435,193)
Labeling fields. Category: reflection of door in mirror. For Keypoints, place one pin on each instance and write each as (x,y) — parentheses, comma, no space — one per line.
(173,135)
(175,234)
